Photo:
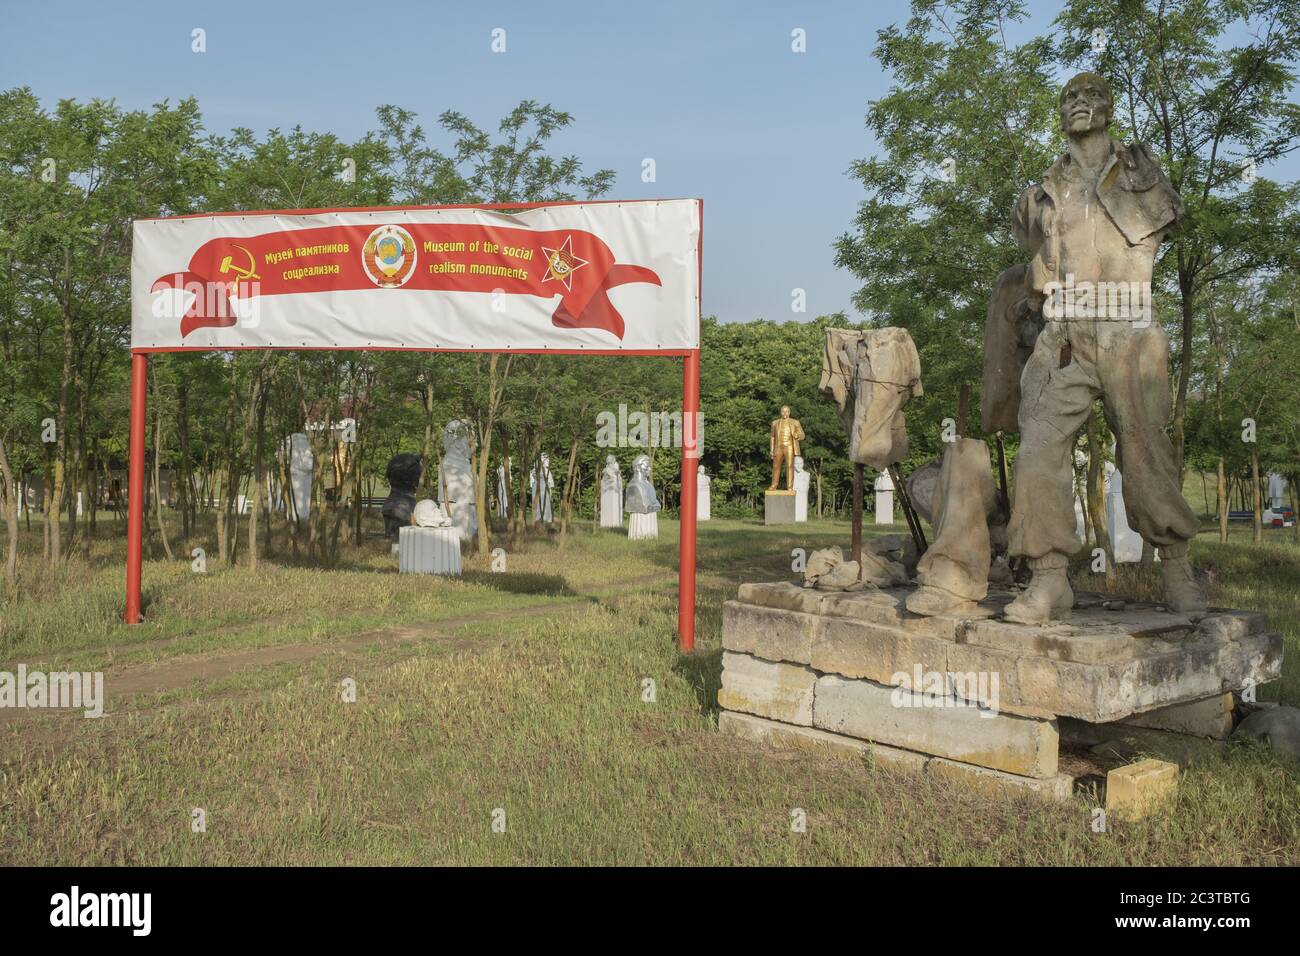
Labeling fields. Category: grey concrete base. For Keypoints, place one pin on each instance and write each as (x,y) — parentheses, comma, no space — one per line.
(823,743)
(778,507)
(976,698)
(1100,665)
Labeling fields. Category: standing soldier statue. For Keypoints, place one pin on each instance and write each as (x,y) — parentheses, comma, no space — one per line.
(1093,227)
(784,447)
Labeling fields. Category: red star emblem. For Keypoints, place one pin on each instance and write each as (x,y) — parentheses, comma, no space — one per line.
(561,264)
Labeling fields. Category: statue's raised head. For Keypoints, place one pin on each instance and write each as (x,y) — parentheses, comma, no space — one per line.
(1085,104)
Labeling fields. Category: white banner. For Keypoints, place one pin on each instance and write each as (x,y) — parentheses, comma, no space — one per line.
(600,276)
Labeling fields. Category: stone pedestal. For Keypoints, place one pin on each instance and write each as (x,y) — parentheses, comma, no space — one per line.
(642,527)
(975,698)
(779,507)
(428,550)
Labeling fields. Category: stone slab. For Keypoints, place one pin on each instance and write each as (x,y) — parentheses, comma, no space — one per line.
(778,507)
(770,633)
(933,725)
(789,737)
(1211,717)
(779,691)
(823,743)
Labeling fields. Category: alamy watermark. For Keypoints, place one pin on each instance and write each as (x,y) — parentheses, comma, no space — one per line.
(922,688)
(638,429)
(73,690)
(1124,301)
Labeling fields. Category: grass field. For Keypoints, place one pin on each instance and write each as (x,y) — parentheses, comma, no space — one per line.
(519,696)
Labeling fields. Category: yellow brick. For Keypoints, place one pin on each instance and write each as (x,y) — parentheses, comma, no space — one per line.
(1135,790)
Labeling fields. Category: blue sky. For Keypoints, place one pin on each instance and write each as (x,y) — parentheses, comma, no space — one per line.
(711,91)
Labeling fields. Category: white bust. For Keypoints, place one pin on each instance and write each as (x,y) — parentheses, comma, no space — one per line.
(427,514)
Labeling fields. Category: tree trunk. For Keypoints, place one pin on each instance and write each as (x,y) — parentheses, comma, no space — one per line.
(1221,495)
(1256,500)
(9,502)
(1097,499)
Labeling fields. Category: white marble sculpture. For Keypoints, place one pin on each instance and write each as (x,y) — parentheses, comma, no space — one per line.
(801,482)
(1124,541)
(611,494)
(541,485)
(427,514)
(884,488)
(301,465)
(703,504)
(456,479)
(503,494)
(641,502)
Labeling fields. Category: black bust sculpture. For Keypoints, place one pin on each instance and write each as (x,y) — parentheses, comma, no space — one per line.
(403,478)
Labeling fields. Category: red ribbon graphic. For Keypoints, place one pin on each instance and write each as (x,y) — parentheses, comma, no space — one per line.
(393,258)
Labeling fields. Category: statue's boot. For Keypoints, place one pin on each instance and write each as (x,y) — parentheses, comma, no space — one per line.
(1049,596)
(928,601)
(1182,593)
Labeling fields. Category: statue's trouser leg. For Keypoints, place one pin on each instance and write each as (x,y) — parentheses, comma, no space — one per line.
(1054,404)
(778,459)
(958,560)
(1133,367)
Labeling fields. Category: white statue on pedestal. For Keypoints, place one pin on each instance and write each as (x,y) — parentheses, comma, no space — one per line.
(884,488)
(301,464)
(703,503)
(431,545)
(542,487)
(641,502)
(801,482)
(611,494)
(456,480)
(503,494)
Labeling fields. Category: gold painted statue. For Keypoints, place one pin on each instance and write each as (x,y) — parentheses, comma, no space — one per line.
(784,448)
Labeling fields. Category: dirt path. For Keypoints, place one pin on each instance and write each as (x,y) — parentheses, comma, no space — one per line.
(132,679)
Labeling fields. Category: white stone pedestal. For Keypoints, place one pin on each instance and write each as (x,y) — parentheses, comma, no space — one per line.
(428,550)
(641,527)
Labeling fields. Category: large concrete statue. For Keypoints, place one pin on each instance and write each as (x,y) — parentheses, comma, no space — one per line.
(1092,227)
(611,494)
(783,446)
(456,480)
(403,475)
(870,376)
(541,485)
(297,447)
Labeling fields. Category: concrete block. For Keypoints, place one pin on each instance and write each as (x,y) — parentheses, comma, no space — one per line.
(778,507)
(936,726)
(778,691)
(852,648)
(1135,790)
(773,635)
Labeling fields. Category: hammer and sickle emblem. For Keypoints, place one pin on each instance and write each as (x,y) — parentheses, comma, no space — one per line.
(241,275)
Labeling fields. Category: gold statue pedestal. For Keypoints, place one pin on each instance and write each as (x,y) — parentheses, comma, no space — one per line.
(778,507)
